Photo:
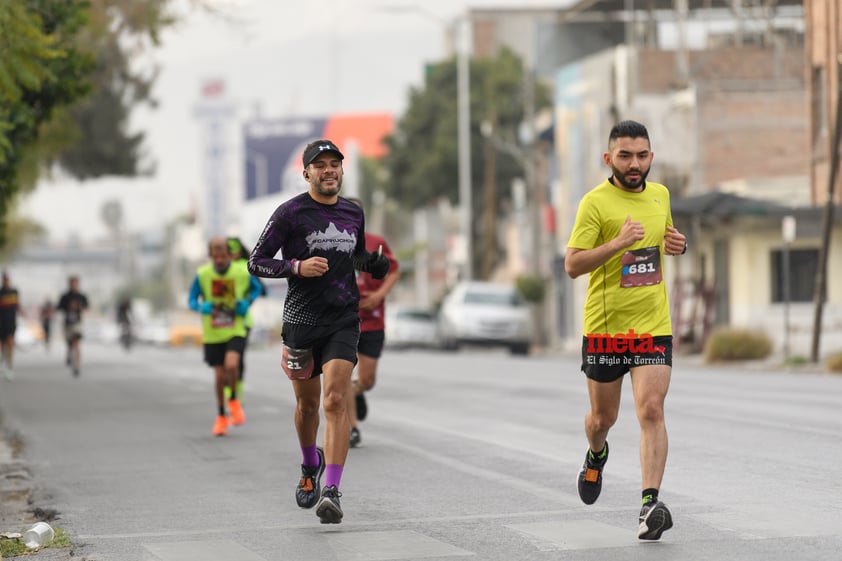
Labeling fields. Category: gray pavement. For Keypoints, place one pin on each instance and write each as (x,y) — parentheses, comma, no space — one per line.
(467,455)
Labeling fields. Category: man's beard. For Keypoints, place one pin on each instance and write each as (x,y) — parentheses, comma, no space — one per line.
(621,178)
(328,192)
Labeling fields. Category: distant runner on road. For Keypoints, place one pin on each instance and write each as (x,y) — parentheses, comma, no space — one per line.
(73,304)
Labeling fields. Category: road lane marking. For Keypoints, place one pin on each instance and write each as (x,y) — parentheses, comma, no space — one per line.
(575,534)
(350,525)
(760,521)
(215,550)
(392,545)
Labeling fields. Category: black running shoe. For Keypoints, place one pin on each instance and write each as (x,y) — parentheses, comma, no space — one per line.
(590,477)
(655,519)
(307,490)
(355,437)
(329,511)
(362,407)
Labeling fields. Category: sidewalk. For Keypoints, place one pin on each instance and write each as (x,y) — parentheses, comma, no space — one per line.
(16,490)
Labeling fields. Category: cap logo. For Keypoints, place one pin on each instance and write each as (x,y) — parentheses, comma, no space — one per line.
(324,147)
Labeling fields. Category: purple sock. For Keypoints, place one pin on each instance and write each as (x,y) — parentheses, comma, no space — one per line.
(310,455)
(333,474)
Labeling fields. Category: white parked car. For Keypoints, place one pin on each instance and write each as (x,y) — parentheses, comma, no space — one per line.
(410,327)
(485,313)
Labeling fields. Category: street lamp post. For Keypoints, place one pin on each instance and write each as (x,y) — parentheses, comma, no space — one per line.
(464,138)
(463,132)
(788,235)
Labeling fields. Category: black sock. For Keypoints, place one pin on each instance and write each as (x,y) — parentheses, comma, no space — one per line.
(650,496)
(222,410)
(597,457)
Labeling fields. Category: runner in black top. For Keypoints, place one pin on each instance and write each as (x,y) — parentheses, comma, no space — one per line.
(9,306)
(321,237)
(124,322)
(46,313)
(73,304)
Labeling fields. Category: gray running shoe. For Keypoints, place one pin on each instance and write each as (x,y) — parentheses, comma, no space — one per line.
(589,481)
(328,510)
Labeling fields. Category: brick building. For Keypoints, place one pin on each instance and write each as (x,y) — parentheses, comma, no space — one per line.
(751,117)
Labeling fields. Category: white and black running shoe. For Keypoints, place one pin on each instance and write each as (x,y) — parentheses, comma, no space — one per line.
(655,519)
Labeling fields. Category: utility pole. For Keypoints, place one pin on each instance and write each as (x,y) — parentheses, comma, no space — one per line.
(489,222)
(533,196)
(530,171)
(827,223)
(463,103)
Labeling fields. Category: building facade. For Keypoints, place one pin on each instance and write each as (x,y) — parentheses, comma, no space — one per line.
(824,59)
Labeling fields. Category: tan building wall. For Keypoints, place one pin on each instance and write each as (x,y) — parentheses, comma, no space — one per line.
(823,23)
(750,248)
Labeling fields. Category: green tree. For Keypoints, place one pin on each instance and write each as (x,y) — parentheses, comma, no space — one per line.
(117,32)
(423,151)
(40,71)
(68,83)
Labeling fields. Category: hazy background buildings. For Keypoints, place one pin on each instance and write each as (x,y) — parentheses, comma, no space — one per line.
(739,97)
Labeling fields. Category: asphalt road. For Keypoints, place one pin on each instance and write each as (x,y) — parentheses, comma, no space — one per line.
(468,455)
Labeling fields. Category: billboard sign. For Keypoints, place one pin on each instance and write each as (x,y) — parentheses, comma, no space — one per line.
(272,156)
(273,149)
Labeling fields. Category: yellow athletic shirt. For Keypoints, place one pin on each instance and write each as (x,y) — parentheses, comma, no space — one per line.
(628,291)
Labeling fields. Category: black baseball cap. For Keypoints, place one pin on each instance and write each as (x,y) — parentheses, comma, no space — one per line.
(317,147)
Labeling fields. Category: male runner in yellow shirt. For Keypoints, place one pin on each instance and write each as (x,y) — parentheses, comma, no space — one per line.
(623,228)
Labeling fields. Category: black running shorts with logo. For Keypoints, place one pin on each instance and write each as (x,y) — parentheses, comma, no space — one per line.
(603,363)
(215,352)
(371,343)
(327,342)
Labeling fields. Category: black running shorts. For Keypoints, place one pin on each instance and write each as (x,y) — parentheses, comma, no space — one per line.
(215,352)
(327,342)
(371,343)
(603,361)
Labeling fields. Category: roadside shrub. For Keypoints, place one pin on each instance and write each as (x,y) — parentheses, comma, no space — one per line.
(730,343)
(796,360)
(531,287)
(834,363)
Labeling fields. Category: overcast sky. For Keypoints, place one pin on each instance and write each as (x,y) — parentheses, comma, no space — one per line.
(279,57)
